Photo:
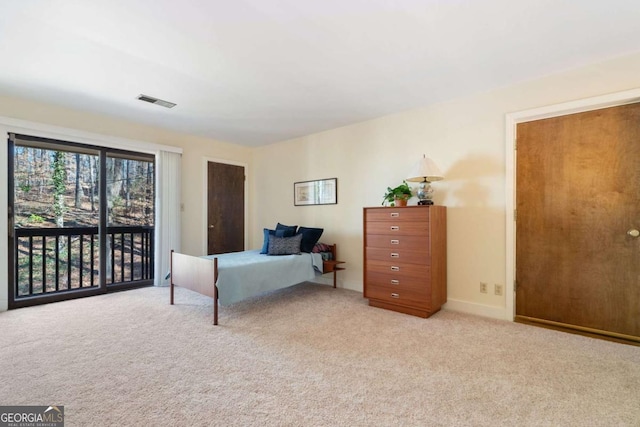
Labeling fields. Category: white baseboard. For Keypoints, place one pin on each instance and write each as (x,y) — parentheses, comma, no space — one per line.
(327,279)
(479,309)
(451,304)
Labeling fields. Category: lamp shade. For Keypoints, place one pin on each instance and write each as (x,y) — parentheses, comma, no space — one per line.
(425,170)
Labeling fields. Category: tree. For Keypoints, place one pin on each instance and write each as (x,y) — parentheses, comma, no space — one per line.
(93,181)
(78,190)
(127,188)
(59,186)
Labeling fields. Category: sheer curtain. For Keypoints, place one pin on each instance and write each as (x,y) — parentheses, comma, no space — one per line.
(168,213)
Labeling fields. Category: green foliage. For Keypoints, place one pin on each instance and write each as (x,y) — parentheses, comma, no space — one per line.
(59,178)
(25,188)
(35,218)
(402,191)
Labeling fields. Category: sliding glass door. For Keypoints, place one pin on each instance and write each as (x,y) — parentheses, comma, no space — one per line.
(81,220)
(130,219)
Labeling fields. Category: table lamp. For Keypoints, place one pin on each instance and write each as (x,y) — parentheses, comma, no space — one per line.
(425,172)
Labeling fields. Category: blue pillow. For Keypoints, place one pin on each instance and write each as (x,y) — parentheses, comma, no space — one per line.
(267,233)
(289,230)
(284,245)
(310,237)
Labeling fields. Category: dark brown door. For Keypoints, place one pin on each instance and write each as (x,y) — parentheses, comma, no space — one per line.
(225,212)
(578,204)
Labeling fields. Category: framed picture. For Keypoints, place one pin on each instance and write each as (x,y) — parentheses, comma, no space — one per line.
(318,192)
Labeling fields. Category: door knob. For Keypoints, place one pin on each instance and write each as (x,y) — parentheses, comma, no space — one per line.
(633,232)
(212,226)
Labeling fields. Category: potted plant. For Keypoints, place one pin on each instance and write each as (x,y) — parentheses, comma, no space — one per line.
(397,196)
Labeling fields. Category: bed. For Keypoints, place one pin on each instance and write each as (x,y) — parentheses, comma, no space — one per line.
(232,277)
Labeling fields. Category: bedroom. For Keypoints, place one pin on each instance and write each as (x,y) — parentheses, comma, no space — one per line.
(465,135)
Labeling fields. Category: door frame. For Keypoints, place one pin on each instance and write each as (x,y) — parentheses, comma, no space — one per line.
(205,198)
(511,123)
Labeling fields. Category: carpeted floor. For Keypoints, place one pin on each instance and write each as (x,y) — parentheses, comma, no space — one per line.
(310,355)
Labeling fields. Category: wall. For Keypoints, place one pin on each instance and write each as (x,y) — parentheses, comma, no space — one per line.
(466,138)
(195,149)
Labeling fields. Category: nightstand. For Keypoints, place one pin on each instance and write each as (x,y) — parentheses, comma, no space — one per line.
(332,266)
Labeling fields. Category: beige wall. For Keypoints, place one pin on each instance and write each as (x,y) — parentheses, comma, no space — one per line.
(465,137)
(195,151)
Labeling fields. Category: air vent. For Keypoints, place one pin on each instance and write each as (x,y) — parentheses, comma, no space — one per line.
(152,100)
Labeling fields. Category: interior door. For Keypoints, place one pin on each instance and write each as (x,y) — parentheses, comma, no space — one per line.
(225,211)
(578,206)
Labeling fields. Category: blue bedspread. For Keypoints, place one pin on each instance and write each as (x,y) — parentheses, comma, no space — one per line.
(245,274)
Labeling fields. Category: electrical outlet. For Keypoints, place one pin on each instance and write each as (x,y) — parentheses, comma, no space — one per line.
(483,287)
(497,289)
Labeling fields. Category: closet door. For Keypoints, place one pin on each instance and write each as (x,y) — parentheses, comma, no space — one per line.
(225,211)
(578,206)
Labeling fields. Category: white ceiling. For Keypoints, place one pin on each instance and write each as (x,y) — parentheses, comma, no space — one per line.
(255,72)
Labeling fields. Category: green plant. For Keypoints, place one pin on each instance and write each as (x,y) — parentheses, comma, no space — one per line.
(36,218)
(401,192)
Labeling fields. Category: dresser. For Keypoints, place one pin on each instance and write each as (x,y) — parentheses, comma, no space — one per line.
(405,258)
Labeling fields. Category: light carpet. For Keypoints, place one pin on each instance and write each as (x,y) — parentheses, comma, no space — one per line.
(309,355)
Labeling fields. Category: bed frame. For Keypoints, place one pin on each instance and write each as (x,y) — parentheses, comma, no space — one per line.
(200,275)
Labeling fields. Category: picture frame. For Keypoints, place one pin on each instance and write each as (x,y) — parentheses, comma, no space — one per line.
(316,192)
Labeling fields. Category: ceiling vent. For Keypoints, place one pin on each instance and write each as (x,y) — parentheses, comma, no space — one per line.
(152,100)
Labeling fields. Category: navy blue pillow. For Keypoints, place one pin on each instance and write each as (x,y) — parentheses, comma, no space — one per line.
(267,233)
(289,230)
(310,237)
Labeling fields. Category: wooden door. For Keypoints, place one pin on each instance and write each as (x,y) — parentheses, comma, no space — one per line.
(225,211)
(578,200)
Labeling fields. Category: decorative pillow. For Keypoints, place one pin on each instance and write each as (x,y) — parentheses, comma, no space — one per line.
(324,250)
(326,256)
(321,247)
(310,237)
(289,230)
(284,245)
(268,233)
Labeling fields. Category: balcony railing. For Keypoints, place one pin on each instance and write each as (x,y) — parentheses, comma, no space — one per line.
(54,260)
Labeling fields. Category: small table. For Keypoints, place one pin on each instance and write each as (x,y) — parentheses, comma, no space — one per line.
(332,266)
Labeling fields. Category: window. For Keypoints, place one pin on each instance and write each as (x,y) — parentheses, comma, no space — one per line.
(82,219)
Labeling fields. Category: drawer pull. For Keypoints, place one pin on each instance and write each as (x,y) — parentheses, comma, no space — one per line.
(395,227)
(395,241)
(395,255)
(395,295)
(394,268)
(395,282)
(395,214)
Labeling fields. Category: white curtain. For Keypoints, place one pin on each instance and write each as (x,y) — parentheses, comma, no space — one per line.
(168,200)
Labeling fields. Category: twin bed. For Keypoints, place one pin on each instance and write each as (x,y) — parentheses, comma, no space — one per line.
(231,277)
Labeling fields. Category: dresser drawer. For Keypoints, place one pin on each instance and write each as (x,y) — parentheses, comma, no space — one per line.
(397,242)
(400,283)
(398,255)
(396,228)
(391,214)
(398,269)
(406,297)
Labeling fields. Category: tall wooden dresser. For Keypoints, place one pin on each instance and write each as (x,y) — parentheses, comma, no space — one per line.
(405,258)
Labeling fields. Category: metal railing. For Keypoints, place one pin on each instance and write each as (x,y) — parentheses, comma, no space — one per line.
(55,260)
